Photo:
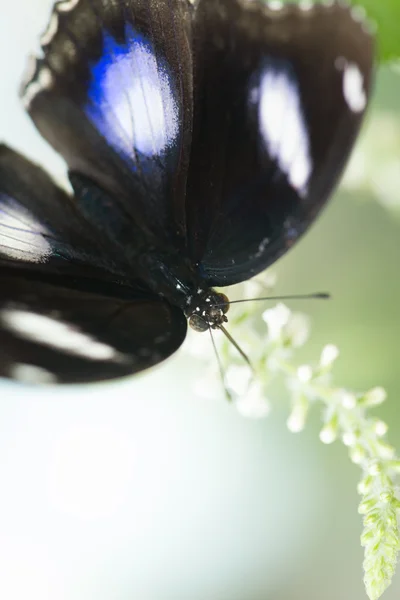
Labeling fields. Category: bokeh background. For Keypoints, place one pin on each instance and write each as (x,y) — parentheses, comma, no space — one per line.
(145,491)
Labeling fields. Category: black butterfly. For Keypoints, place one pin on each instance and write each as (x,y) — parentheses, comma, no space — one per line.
(202,138)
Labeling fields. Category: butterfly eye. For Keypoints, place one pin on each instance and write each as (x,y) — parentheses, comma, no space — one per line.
(198,323)
(225,304)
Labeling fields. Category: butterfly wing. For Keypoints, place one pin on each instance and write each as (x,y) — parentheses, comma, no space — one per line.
(218,126)
(56,330)
(65,315)
(112,93)
(280,92)
(40,224)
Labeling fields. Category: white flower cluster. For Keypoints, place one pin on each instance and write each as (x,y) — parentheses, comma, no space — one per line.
(270,337)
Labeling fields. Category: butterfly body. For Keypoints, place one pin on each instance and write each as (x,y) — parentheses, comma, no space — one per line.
(181,284)
(201,139)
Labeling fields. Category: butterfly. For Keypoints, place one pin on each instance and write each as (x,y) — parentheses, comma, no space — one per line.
(202,138)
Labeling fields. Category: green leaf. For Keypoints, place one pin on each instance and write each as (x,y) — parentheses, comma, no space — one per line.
(386,14)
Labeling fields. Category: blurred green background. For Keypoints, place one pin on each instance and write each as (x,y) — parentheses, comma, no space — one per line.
(144,491)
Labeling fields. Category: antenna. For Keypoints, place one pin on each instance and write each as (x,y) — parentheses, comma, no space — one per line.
(221,369)
(236,345)
(313,296)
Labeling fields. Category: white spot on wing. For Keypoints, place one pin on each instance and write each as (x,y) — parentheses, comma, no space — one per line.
(56,334)
(21,235)
(353,88)
(353,85)
(283,126)
(32,374)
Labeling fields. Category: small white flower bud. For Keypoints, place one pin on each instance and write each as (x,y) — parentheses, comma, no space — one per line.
(329,355)
(386,497)
(380,428)
(276,318)
(297,330)
(295,423)
(365,485)
(328,434)
(347,399)
(374,397)
(349,438)
(357,454)
(375,468)
(367,505)
(304,373)
(297,417)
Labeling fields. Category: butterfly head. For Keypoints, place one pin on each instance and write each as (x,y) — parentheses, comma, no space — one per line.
(207,309)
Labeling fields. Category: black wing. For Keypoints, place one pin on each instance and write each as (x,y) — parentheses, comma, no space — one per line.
(112,93)
(66,315)
(263,103)
(57,330)
(280,91)
(40,224)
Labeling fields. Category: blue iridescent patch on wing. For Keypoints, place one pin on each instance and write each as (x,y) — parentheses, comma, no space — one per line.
(131,98)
